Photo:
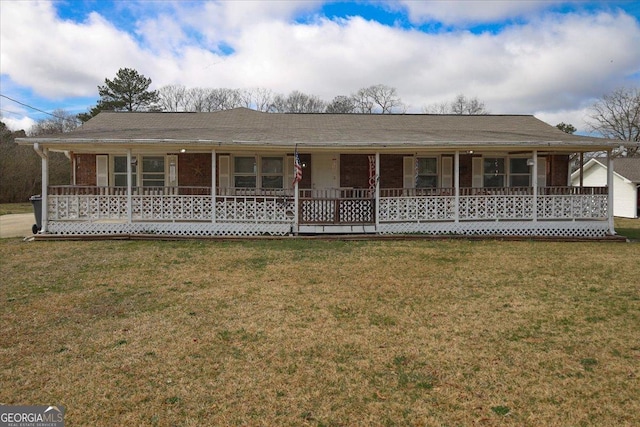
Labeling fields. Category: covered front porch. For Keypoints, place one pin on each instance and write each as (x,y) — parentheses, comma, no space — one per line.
(236,173)
(419,207)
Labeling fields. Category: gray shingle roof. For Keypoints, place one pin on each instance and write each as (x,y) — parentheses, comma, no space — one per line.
(242,125)
(628,168)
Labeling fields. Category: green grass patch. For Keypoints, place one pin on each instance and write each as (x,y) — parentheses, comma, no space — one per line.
(15,208)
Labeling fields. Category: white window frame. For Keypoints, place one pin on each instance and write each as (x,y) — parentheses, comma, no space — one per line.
(436,158)
(138,173)
(512,174)
(258,172)
(504,174)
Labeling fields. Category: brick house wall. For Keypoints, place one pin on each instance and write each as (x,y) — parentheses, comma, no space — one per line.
(354,170)
(194,170)
(557,170)
(391,170)
(85,172)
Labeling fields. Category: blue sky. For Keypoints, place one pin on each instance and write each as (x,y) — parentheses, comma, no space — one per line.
(548,58)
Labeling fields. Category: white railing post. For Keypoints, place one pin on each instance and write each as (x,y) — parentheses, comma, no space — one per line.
(456,183)
(377,195)
(534,183)
(129,186)
(612,230)
(45,189)
(214,174)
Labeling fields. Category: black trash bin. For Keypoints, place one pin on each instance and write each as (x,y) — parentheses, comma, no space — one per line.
(36,201)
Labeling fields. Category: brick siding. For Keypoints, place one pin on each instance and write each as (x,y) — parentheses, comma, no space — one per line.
(85,169)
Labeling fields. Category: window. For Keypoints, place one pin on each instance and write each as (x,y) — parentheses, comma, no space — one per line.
(493,172)
(272,172)
(519,175)
(244,172)
(427,172)
(251,172)
(146,171)
(120,171)
(153,171)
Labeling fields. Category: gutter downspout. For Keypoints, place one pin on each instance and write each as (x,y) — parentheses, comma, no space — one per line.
(44,154)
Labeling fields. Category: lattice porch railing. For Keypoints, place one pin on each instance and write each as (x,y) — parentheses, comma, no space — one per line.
(339,206)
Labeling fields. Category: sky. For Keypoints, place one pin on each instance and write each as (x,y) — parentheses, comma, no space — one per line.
(553,59)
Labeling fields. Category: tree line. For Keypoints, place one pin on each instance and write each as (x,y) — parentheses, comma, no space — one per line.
(129,91)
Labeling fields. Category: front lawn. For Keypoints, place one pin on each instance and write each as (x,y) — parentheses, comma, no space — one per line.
(306,332)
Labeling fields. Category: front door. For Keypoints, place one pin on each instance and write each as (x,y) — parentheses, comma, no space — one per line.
(325,173)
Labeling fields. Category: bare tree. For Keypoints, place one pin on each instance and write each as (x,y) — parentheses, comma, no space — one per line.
(380,99)
(387,99)
(59,122)
(362,101)
(617,116)
(297,102)
(196,100)
(260,99)
(173,98)
(437,108)
(461,105)
(224,99)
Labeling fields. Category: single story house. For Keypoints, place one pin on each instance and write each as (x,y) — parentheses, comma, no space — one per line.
(244,173)
(626,180)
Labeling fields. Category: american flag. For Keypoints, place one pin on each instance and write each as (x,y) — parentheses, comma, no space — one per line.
(297,168)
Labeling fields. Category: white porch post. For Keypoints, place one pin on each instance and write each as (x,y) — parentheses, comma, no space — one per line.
(534,183)
(129,186)
(456,183)
(377,194)
(612,230)
(214,175)
(45,189)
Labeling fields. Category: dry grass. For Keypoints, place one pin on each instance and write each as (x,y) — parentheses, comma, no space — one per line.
(323,333)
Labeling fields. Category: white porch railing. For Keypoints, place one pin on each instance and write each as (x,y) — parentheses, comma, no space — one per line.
(337,206)
(67,203)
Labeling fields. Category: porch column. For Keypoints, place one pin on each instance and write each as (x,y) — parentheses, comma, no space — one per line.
(534,183)
(44,154)
(456,183)
(129,186)
(581,169)
(214,174)
(612,230)
(377,195)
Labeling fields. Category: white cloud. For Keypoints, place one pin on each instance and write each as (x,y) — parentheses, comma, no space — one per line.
(62,58)
(465,11)
(16,124)
(553,64)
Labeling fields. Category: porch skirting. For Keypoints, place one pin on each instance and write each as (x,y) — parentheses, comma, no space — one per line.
(586,228)
(193,229)
(502,228)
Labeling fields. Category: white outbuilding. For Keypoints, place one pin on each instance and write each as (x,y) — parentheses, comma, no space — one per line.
(626,180)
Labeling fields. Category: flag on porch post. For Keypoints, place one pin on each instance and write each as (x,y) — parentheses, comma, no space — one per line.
(297,168)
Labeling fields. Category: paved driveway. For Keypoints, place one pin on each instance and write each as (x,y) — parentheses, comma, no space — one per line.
(16,225)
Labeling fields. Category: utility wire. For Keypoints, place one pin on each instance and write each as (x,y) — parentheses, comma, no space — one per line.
(41,111)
